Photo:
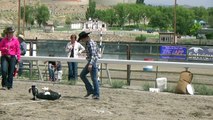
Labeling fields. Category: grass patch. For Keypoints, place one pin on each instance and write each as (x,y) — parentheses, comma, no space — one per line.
(203,90)
(146,86)
(170,89)
(32,76)
(140,38)
(117,84)
(148,36)
(72,82)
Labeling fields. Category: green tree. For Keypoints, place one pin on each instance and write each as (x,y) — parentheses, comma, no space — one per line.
(195,28)
(107,16)
(68,20)
(91,10)
(121,14)
(139,1)
(210,16)
(111,17)
(184,21)
(160,20)
(200,13)
(134,13)
(29,14)
(210,21)
(42,15)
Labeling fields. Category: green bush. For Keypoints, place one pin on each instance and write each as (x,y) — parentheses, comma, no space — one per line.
(209,36)
(146,86)
(140,38)
(203,90)
(170,89)
(117,84)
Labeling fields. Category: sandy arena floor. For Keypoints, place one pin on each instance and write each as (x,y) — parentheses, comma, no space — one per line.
(114,104)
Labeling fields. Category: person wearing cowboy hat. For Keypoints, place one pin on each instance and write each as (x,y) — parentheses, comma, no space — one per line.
(10,50)
(91,66)
(23,48)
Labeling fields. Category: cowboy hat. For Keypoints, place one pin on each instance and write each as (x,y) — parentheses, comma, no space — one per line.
(82,35)
(21,36)
(10,30)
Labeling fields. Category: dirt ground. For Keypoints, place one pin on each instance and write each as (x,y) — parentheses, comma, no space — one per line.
(114,104)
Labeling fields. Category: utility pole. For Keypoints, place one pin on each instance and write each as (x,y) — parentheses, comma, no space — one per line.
(19,4)
(175,22)
(23,27)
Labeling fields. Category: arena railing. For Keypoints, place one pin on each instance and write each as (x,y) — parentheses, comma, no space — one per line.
(185,65)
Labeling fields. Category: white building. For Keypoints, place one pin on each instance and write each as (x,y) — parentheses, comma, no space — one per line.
(94,25)
(76,26)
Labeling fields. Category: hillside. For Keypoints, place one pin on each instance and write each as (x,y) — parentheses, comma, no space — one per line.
(59,12)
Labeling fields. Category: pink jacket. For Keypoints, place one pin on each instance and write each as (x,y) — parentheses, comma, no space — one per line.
(11,47)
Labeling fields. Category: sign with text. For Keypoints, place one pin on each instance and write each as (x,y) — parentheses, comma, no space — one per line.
(200,53)
(173,52)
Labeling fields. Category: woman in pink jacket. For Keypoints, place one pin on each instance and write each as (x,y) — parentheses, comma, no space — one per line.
(10,55)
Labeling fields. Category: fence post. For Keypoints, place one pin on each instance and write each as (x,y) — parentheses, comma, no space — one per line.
(128,66)
(31,62)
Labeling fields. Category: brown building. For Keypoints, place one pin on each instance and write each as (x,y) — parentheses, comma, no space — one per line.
(167,37)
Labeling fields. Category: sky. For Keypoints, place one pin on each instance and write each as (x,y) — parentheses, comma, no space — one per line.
(205,3)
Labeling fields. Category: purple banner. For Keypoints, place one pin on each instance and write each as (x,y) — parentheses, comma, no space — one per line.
(200,53)
(173,52)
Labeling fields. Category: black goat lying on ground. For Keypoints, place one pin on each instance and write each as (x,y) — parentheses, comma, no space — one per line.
(46,94)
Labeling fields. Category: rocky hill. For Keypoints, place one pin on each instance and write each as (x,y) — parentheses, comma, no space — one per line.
(59,12)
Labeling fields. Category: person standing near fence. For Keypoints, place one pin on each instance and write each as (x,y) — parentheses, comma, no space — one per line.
(10,51)
(23,48)
(73,49)
(51,68)
(91,67)
(59,71)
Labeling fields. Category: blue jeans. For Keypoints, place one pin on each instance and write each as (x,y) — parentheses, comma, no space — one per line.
(7,69)
(20,70)
(72,70)
(51,72)
(91,89)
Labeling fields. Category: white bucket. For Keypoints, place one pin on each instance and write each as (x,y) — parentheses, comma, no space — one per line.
(161,83)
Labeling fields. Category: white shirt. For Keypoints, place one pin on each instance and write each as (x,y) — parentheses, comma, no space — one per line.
(78,49)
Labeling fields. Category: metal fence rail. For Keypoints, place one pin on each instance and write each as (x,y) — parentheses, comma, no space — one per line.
(125,70)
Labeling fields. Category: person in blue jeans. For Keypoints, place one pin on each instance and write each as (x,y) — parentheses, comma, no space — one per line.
(51,69)
(73,49)
(23,48)
(10,50)
(92,55)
